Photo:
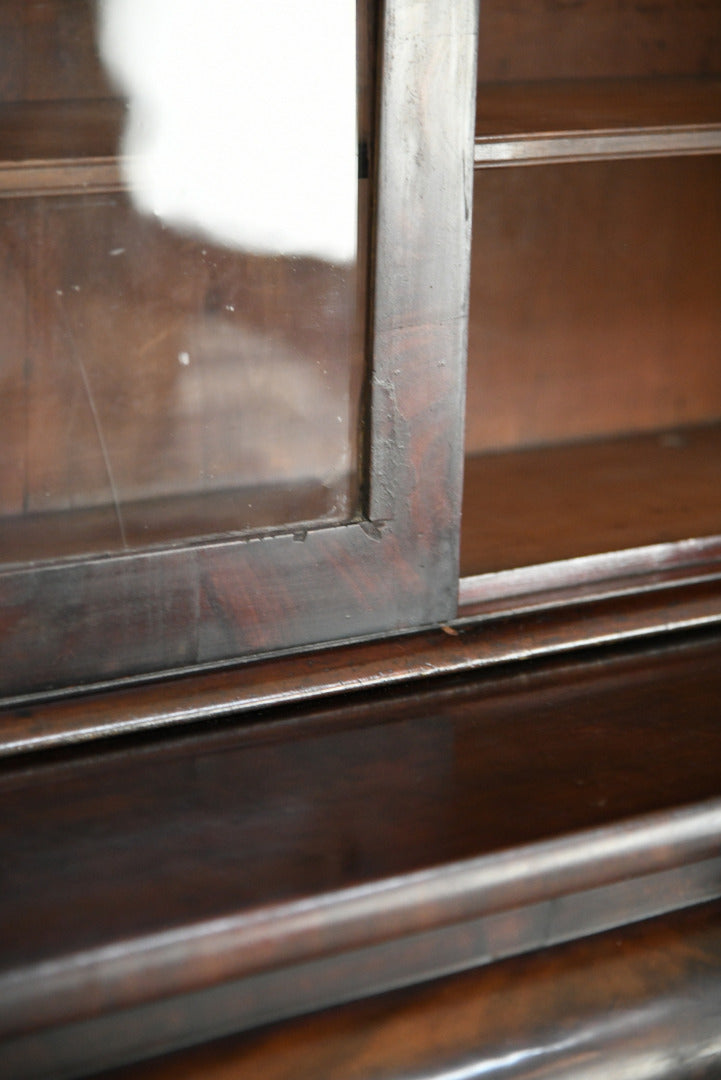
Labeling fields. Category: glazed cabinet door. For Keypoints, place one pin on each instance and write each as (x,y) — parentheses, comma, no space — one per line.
(234,257)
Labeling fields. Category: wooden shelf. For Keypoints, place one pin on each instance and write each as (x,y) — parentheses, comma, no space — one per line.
(56,148)
(582,120)
(528,507)
(184,889)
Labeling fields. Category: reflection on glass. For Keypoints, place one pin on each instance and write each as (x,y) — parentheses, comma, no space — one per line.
(241,121)
(181,342)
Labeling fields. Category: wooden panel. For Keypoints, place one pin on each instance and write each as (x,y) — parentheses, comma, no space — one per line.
(595,302)
(544,39)
(206,882)
(608,1006)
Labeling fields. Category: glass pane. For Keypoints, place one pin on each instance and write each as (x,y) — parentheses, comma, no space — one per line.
(594,383)
(181,288)
(597,39)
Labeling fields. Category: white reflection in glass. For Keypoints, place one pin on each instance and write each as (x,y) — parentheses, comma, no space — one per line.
(242,118)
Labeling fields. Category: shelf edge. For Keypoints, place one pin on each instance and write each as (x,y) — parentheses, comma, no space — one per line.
(73,176)
(539,149)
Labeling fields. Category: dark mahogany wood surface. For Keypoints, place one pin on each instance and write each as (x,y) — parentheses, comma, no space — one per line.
(241,874)
(279,855)
(644,1000)
(530,612)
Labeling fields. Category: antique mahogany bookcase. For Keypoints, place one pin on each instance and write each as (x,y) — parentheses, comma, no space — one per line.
(359,612)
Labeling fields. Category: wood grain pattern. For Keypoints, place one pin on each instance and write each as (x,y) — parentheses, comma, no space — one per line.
(640,998)
(230,877)
(546,611)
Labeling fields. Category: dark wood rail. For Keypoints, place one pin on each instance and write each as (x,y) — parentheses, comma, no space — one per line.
(644,1000)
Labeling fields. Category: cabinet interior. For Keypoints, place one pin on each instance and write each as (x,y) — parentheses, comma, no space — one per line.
(593,418)
(594,382)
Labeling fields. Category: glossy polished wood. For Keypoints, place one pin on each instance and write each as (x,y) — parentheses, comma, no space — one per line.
(644,1000)
(228,878)
(454,802)
(612,1004)
(515,616)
